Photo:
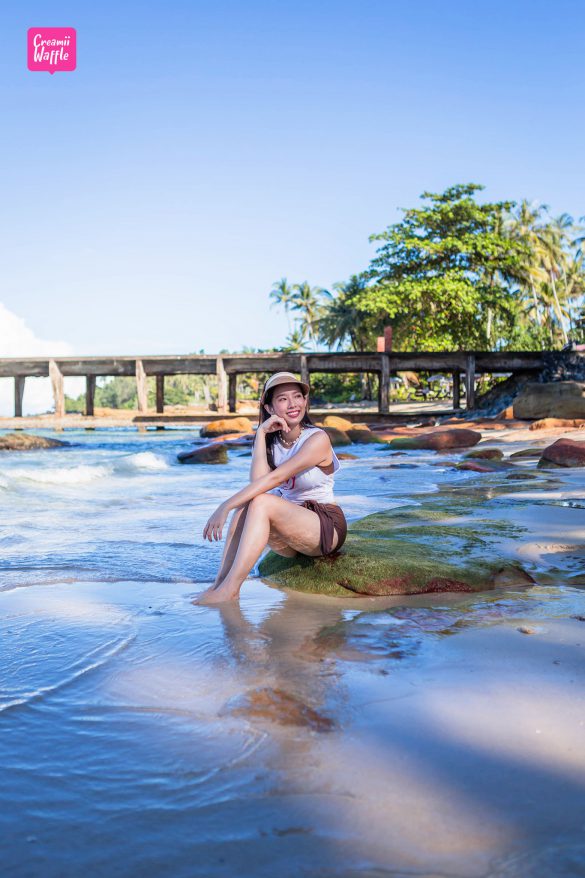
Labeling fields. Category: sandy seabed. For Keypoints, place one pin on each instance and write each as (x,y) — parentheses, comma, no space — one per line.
(289,734)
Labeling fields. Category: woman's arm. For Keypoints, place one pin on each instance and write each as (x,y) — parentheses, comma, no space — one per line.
(315,450)
(259,466)
(312,452)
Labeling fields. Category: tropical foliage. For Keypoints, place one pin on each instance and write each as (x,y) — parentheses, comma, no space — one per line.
(454,274)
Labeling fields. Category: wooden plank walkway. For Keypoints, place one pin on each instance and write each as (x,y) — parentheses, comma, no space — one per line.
(462,365)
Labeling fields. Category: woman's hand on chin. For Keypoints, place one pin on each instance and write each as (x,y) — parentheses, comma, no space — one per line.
(214,526)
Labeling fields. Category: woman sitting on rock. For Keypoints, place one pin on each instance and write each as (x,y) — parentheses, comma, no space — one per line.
(289,503)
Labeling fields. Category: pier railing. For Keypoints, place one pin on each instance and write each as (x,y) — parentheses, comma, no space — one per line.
(461,365)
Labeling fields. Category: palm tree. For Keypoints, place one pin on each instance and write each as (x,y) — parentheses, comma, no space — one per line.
(309,301)
(342,321)
(526,226)
(552,257)
(282,294)
(296,341)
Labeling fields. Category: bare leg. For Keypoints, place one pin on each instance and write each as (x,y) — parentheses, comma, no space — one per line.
(232,541)
(298,525)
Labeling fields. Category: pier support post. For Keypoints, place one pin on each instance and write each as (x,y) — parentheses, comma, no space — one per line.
(141,387)
(470,382)
(456,390)
(222,391)
(233,392)
(89,394)
(160,394)
(304,369)
(56,377)
(384,385)
(18,394)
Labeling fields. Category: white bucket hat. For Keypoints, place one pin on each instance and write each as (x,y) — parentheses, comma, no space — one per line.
(282,378)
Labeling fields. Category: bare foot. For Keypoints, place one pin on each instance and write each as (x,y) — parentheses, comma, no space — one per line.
(217,594)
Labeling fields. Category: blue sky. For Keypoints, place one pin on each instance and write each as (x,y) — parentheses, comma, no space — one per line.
(201,151)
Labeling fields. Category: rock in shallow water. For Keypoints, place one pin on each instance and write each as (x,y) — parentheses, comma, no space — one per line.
(564,452)
(405,551)
(26,442)
(214,453)
(439,440)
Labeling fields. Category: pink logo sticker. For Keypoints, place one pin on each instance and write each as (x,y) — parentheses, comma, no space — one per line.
(52,48)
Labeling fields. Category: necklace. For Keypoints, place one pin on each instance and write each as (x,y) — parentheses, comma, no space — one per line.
(294,442)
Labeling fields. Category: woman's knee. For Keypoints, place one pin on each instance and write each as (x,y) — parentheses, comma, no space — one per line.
(261,501)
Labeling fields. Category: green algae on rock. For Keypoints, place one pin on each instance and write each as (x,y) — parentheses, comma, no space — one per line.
(400,552)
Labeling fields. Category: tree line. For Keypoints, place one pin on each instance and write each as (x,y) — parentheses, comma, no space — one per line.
(453,274)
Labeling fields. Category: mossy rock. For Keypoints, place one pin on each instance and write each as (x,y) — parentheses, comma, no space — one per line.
(526,453)
(486,454)
(337,437)
(358,434)
(399,553)
(26,442)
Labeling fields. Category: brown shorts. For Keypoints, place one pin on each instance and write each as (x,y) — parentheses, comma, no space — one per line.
(331,518)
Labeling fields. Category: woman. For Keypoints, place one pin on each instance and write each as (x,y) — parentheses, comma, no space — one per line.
(289,503)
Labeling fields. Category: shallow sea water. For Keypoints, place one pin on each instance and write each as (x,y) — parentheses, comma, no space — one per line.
(284,734)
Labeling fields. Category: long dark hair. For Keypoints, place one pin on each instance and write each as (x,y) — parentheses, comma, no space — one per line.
(263,415)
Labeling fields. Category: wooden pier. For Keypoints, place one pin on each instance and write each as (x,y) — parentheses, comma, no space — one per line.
(462,366)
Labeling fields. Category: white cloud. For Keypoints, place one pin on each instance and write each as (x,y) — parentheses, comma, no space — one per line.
(17,340)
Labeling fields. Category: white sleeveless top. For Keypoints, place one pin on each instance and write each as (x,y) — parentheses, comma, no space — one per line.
(312,483)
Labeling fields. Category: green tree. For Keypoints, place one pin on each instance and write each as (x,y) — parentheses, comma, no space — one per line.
(443,274)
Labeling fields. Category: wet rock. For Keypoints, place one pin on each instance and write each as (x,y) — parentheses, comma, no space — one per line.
(554,399)
(362,436)
(396,466)
(558,423)
(564,452)
(521,476)
(213,453)
(337,437)
(345,455)
(439,440)
(481,466)
(399,552)
(26,442)
(245,440)
(337,423)
(227,425)
(513,577)
(526,453)
(277,706)
(486,454)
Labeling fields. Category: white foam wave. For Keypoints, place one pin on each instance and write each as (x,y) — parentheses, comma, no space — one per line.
(143,460)
(61,475)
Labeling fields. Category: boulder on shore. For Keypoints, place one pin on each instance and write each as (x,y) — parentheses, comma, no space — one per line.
(227,425)
(337,437)
(26,442)
(564,452)
(361,435)
(438,440)
(555,399)
(337,422)
(558,423)
(213,453)
(405,551)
